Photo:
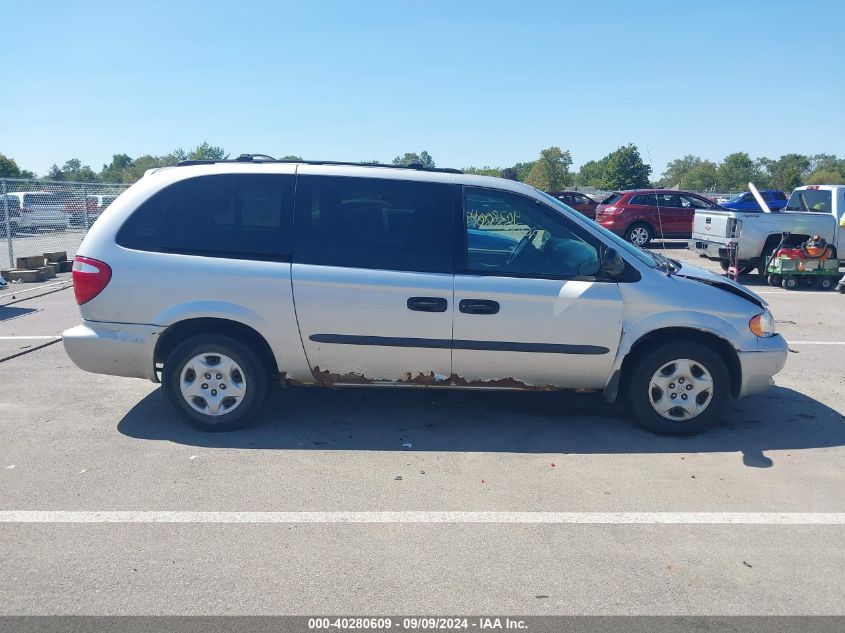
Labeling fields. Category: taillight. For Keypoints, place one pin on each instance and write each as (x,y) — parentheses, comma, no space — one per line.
(90,277)
(611,210)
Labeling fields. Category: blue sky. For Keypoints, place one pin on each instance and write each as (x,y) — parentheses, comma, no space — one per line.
(474,83)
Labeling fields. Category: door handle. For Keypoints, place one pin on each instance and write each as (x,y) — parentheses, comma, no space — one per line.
(478,306)
(428,304)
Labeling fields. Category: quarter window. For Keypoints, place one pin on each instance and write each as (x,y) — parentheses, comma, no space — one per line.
(374,223)
(511,234)
(242,216)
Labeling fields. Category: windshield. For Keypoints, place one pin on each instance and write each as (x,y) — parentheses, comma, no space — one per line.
(812,200)
(618,243)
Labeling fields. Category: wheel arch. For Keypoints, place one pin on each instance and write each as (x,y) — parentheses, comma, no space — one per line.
(668,334)
(181,330)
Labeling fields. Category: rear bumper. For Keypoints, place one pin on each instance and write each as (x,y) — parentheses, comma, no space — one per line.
(758,368)
(708,248)
(116,349)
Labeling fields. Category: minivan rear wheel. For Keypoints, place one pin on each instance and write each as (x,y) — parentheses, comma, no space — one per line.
(639,234)
(678,388)
(215,382)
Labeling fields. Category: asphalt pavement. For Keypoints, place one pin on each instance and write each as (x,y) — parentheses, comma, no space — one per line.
(349,501)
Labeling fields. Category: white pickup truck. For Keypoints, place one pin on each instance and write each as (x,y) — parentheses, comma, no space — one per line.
(811,210)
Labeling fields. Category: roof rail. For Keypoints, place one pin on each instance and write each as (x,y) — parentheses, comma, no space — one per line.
(264,158)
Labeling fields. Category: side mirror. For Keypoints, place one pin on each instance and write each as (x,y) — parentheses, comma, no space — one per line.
(611,262)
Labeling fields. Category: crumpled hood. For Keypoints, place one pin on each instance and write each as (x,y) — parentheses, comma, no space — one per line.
(719,281)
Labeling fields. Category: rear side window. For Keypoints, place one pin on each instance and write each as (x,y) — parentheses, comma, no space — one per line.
(242,216)
(374,223)
(41,199)
(646,200)
(779,195)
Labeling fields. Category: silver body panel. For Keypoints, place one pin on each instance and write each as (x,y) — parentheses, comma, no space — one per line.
(294,307)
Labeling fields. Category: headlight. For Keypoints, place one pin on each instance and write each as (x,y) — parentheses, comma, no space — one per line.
(763,325)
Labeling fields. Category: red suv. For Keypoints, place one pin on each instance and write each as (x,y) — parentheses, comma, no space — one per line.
(641,215)
(578,201)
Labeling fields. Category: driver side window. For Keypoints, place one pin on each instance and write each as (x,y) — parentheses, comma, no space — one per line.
(507,233)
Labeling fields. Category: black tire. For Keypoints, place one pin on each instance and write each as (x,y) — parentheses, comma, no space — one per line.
(639,392)
(825,283)
(639,231)
(774,280)
(789,282)
(254,375)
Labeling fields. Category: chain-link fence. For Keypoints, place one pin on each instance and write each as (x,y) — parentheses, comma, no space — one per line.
(43,216)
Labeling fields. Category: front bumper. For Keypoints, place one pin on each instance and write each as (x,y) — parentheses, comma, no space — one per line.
(758,368)
(116,349)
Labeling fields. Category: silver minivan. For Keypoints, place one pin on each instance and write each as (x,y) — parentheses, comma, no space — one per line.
(220,278)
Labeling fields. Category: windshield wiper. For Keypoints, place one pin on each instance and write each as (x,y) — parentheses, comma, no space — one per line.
(663,262)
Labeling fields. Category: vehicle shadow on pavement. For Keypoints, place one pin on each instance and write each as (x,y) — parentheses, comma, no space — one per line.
(515,422)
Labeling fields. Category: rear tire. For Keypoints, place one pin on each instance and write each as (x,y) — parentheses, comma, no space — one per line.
(790,282)
(215,382)
(825,283)
(678,388)
(639,234)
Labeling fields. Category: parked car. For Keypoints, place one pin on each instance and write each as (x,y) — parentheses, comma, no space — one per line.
(641,215)
(96,205)
(41,209)
(578,201)
(400,276)
(9,207)
(775,199)
(811,210)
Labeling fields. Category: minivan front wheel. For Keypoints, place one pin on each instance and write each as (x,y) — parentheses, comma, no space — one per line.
(216,382)
(678,388)
(639,234)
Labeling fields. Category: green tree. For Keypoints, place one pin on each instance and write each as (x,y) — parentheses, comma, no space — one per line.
(114,171)
(788,171)
(677,169)
(291,157)
(550,172)
(423,158)
(625,169)
(700,177)
(482,171)
(55,173)
(522,170)
(509,173)
(826,177)
(9,169)
(591,173)
(207,152)
(73,170)
(736,171)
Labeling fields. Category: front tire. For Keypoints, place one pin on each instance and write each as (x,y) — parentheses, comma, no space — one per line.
(215,382)
(678,388)
(639,234)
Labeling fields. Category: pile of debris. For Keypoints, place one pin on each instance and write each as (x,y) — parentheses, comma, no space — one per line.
(38,267)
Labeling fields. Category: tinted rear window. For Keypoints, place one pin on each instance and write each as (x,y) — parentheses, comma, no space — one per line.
(243,216)
(779,195)
(812,200)
(611,198)
(374,223)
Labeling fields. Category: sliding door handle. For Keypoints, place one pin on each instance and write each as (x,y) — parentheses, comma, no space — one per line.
(428,304)
(478,306)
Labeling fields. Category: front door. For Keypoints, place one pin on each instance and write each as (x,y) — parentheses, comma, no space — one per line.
(531,307)
(372,278)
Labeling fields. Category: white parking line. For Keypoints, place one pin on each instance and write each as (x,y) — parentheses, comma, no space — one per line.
(589,518)
(816,342)
(28,338)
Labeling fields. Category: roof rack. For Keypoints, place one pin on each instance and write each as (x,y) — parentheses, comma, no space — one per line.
(264,158)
